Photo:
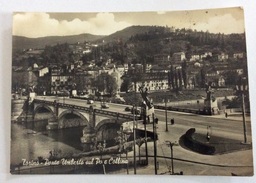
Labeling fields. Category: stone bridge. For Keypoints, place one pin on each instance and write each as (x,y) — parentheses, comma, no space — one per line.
(99,124)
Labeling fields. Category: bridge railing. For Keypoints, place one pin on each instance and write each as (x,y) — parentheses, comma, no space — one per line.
(187,110)
(88,109)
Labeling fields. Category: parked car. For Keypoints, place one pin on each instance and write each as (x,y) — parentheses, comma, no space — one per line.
(104,105)
(118,100)
(127,109)
(90,101)
(83,96)
(63,93)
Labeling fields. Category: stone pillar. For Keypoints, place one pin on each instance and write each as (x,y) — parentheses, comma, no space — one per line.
(211,107)
(211,104)
(88,139)
(56,108)
(17,108)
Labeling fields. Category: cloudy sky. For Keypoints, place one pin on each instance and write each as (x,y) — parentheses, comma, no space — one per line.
(228,20)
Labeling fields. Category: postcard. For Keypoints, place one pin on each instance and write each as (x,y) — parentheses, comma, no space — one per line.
(153,93)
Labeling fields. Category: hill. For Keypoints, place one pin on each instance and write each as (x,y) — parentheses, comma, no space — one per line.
(20,43)
(126,33)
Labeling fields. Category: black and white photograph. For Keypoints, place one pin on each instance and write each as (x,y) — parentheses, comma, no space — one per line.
(146,92)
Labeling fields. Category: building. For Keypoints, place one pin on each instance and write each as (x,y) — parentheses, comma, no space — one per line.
(195,58)
(153,81)
(238,55)
(216,79)
(222,57)
(205,55)
(178,57)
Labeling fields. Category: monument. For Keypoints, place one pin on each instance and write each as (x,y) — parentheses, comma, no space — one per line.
(210,103)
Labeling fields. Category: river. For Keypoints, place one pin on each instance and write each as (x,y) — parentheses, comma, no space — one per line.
(30,146)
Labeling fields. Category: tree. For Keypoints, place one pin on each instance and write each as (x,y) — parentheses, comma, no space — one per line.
(176,80)
(203,79)
(106,83)
(231,78)
(184,73)
(82,81)
(57,54)
(126,85)
(171,78)
(180,78)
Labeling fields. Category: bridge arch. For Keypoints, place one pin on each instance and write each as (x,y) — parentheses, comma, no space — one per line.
(43,108)
(72,118)
(107,130)
(41,116)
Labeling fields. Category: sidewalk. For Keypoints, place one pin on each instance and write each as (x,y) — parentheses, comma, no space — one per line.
(237,162)
(230,116)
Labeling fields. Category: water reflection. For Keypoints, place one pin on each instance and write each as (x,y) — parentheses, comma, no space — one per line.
(27,145)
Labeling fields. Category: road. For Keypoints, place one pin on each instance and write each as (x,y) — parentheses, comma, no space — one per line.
(220,126)
(228,132)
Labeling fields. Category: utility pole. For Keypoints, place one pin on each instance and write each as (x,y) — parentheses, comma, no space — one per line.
(172,158)
(146,135)
(171,144)
(155,150)
(244,122)
(241,88)
(166,121)
(134,130)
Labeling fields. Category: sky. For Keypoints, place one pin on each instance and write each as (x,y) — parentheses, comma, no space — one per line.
(33,25)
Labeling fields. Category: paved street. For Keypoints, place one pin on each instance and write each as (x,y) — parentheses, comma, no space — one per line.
(231,127)
(191,163)
(227,131)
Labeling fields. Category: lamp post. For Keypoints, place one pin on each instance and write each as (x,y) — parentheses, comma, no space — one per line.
(155,121)
(145,121)
(241,88)
(171,144)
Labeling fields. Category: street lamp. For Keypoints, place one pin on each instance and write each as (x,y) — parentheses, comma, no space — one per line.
(241,88)
(171,144)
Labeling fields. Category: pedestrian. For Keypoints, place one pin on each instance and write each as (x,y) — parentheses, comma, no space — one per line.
(226,114)
(208,134)
(208,137)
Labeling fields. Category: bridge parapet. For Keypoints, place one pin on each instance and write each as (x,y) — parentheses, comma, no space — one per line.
(88,109)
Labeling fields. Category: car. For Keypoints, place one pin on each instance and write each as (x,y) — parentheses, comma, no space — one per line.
(83,96)
(90,101)
(104,105)
(127,109)
(118,100)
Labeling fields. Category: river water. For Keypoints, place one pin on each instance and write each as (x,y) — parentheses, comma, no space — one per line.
(30,146)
